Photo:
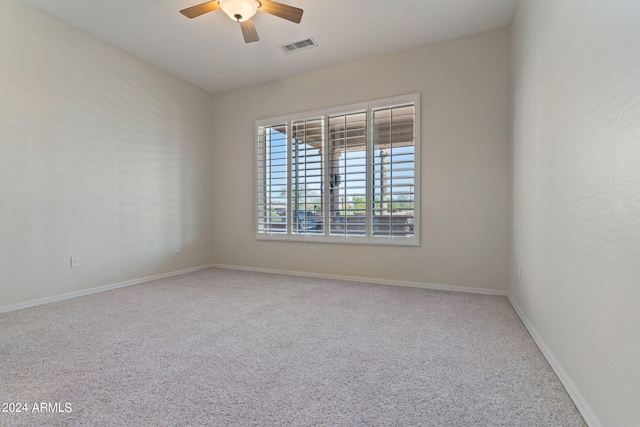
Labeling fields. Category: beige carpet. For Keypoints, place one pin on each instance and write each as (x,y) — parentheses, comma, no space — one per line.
(228,348)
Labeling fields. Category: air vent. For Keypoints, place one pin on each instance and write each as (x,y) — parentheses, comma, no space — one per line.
(298,46)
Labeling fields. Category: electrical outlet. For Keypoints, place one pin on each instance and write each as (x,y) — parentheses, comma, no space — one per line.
(178,248)
(519,273)
(75,261)
(312,250)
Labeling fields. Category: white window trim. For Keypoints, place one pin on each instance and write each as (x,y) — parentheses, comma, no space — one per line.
(326,236)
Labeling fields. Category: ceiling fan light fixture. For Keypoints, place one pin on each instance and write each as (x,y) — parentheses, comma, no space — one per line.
(239,10)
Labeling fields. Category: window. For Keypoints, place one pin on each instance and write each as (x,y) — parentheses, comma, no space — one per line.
(347,174)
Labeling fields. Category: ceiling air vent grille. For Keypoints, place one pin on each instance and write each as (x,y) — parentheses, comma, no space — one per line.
(298,46)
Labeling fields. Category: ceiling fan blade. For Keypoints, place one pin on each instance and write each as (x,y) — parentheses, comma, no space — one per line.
(201,9)
(280,10)
(249,31)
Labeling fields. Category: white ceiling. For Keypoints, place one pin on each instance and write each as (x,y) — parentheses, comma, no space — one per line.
(209,51)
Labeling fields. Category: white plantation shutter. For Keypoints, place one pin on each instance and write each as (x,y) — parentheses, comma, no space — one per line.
(348,174)
(272,179)
(393,174)
(307,171)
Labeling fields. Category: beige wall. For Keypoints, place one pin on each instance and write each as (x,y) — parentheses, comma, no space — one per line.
(101,156)
(465,121)
(576,195)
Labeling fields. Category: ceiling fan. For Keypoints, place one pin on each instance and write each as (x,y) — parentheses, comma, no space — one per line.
(242,11)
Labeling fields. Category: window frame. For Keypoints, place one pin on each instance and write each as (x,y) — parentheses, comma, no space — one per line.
(325,114)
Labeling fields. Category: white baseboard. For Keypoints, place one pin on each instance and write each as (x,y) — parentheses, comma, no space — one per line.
(583,407)
(433,286)
(47,300)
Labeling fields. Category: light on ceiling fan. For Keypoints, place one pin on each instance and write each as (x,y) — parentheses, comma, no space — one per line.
(239,10)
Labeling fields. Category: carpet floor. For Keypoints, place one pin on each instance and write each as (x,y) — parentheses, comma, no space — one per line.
(231,348)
